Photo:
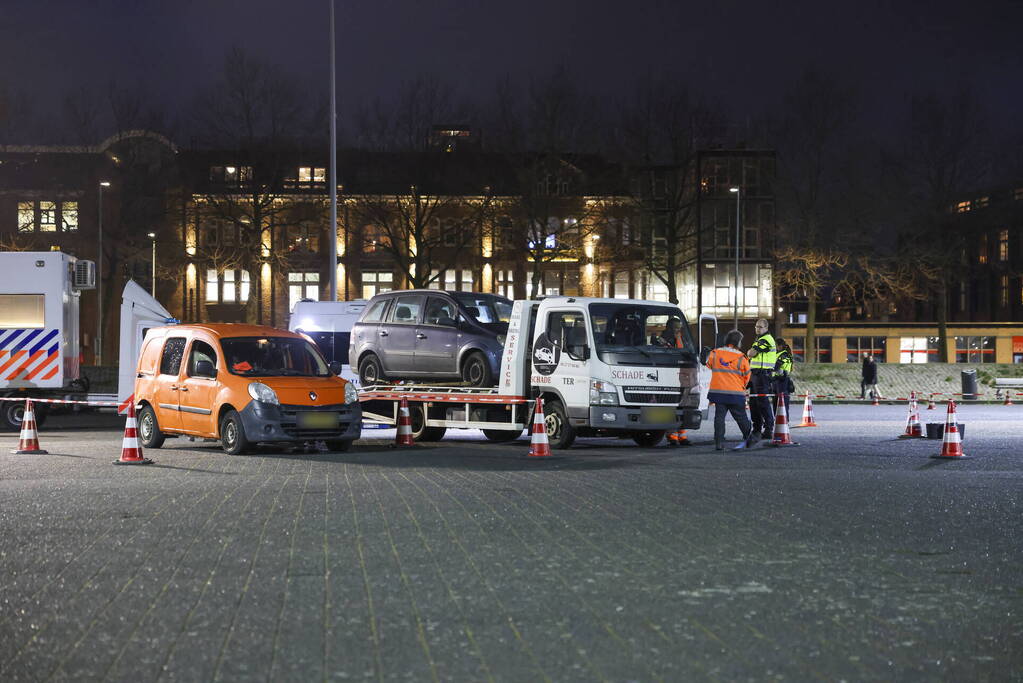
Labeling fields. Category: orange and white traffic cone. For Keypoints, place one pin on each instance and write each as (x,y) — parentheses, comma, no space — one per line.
(403,437)
(131,451)
(875,402)
(28,444)
(913,428)
(781,426)
(539,446)
(677,438)
(952,444)
(807,413)
(1008,398)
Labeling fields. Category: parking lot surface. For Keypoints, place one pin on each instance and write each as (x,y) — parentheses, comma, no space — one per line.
(854,556)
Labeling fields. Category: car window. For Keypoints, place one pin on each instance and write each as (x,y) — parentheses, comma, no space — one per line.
(405,309)
(200,351)
(438,309)
(376,312)
(566,328)
(170,361)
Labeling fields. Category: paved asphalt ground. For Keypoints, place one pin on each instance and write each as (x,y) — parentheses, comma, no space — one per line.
(853,556)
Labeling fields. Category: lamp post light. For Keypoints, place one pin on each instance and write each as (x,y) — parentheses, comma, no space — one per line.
(152,236)
(738,209)
(99,276)
(332,178)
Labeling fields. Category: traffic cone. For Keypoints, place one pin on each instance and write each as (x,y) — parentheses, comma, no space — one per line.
(930,403)
(951,444)
(781,426)
(678,438)
(131,451)
(539,446)
(404,435)
(807,413)
(875,401)
(28,444)
(1008,398)
(913,428)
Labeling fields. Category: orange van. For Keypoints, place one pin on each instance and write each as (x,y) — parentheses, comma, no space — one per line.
(242,384)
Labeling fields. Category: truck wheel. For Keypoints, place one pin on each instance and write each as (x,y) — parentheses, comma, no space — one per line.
(476,371)
(370,372)
(420,432)
(560,432)
(502,434)
(150,435)
(232,434)
(13,412)
(648,439)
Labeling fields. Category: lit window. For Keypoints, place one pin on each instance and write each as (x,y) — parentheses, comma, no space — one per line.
(319,175)
(48,216)
(302,286)
(69,216)
(1004,295)
(918,350)
(376,282)
(26,216)
(228,287)
(231,174)
(1003,245)
(962,207)
(506,283)
(212,286)
(982,252)
(305,174)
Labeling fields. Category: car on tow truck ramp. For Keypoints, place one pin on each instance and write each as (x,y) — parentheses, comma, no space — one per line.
(243,385)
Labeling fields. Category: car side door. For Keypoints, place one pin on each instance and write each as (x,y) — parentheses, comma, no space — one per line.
(397,334)
(197,390)
(167,384)
(438,337)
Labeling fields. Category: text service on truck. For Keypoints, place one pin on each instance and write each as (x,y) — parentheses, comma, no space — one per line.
(595,362)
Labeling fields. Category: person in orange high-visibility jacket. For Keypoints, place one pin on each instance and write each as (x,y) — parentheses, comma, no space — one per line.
(730,373)
(671,338)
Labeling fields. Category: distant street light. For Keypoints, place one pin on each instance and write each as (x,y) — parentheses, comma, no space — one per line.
(152,236)
(99,277)
(738,208)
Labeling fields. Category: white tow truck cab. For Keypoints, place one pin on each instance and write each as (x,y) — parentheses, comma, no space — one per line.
(328,324)
(39,332)
(603,367)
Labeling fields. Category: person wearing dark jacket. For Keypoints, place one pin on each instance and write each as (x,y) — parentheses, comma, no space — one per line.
(783,385)
(868,375)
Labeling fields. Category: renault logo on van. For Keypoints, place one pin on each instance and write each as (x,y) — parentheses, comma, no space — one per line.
(312,395)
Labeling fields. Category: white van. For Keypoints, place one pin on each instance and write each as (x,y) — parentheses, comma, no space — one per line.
(329,324)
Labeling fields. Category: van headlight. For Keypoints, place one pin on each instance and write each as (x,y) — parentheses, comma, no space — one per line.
(603,393)
(262,392)
(351,393)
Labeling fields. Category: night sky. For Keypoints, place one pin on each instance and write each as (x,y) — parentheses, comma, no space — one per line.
(742,55)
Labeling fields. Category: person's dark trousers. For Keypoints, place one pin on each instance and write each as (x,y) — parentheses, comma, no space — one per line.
(738,411)
(863,388)
(781,386)
(760,406)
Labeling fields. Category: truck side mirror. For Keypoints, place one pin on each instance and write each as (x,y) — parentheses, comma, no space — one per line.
(335,367)
(204,368)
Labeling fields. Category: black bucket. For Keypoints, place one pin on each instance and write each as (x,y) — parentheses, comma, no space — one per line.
(936,430)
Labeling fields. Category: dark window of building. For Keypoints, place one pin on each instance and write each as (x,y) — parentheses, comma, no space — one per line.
(975,349)
(857,346)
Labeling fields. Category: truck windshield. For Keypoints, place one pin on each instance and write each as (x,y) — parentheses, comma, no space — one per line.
(486,308)
(641,334)
(273,357)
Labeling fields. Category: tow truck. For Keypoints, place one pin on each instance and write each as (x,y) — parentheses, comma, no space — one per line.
(595,362)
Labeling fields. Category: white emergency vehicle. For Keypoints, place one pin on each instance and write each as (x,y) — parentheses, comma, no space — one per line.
(600,366)
(40,356)
(329,325)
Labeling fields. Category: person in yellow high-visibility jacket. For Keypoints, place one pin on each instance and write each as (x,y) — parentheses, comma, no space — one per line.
(730,372)
(763,354)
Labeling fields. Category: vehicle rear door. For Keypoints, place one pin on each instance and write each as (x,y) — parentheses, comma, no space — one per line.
(197,390)
(709,324)
(397,334)
(437,338)
(167,384)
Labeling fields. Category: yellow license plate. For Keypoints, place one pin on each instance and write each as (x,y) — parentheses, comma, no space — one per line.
(661,415)
(317,420)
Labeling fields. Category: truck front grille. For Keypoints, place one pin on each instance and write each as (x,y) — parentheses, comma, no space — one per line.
(658,395)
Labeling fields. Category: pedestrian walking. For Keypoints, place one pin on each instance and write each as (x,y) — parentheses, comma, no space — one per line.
(729,375)
(763,354)
(783,384)
(868,375)
(671,338)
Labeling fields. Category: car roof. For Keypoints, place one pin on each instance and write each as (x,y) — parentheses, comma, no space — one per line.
(222,330)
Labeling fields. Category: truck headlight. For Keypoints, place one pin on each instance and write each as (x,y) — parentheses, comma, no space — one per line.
(351,393)
(603,393)
(262,392)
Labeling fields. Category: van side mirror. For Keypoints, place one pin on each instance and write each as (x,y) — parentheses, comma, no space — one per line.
(204,368)
(335,367)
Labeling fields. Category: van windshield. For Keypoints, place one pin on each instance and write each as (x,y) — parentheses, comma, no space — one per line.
(485,308)
(273,357)
(641,334)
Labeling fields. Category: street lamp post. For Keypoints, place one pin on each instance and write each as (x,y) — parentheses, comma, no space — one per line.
(152,236)
(332,178)
(738,209)
(99,276)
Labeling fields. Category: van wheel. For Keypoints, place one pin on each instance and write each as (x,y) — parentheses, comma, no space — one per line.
(648,439)
(232,434)
(370,372)
(476,371)
(420,432)
(560,432)
(500,435)
(150,435)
